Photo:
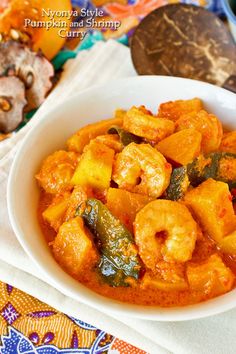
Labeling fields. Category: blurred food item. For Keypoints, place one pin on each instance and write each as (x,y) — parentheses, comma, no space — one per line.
(49,41)
(33,69)
(184,40)
(126,25)
(13,14)
(104,2)
(138,8)
(3,5)
(4,136)
(12,102)
(25,80)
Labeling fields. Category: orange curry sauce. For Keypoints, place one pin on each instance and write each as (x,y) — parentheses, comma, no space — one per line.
(136,294)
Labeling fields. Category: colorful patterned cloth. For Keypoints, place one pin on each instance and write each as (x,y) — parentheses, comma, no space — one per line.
(28,326)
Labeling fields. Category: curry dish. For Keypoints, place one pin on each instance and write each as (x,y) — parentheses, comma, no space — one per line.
(140,207)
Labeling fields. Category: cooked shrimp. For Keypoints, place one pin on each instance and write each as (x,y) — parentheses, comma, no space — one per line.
(165,230)
(139,122)
(207,124)
(56,172)
(142,169)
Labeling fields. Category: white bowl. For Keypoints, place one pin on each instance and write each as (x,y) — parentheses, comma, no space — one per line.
(51,133)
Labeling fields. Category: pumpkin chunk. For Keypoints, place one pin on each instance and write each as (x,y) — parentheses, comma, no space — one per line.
(211,204)
(212,276)
(174,109)
(125,205)
(79,140)
(95,167)
(147,126)
(110,140)
(228,244)
(55,213)
(166,277)
(120,113)
(207,124)
(190,142)
(73,247)
(149,280)
(63,207)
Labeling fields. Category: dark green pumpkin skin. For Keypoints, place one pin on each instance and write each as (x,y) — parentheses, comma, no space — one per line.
(179,183)
(125,137)
(198,171)
(119,256)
